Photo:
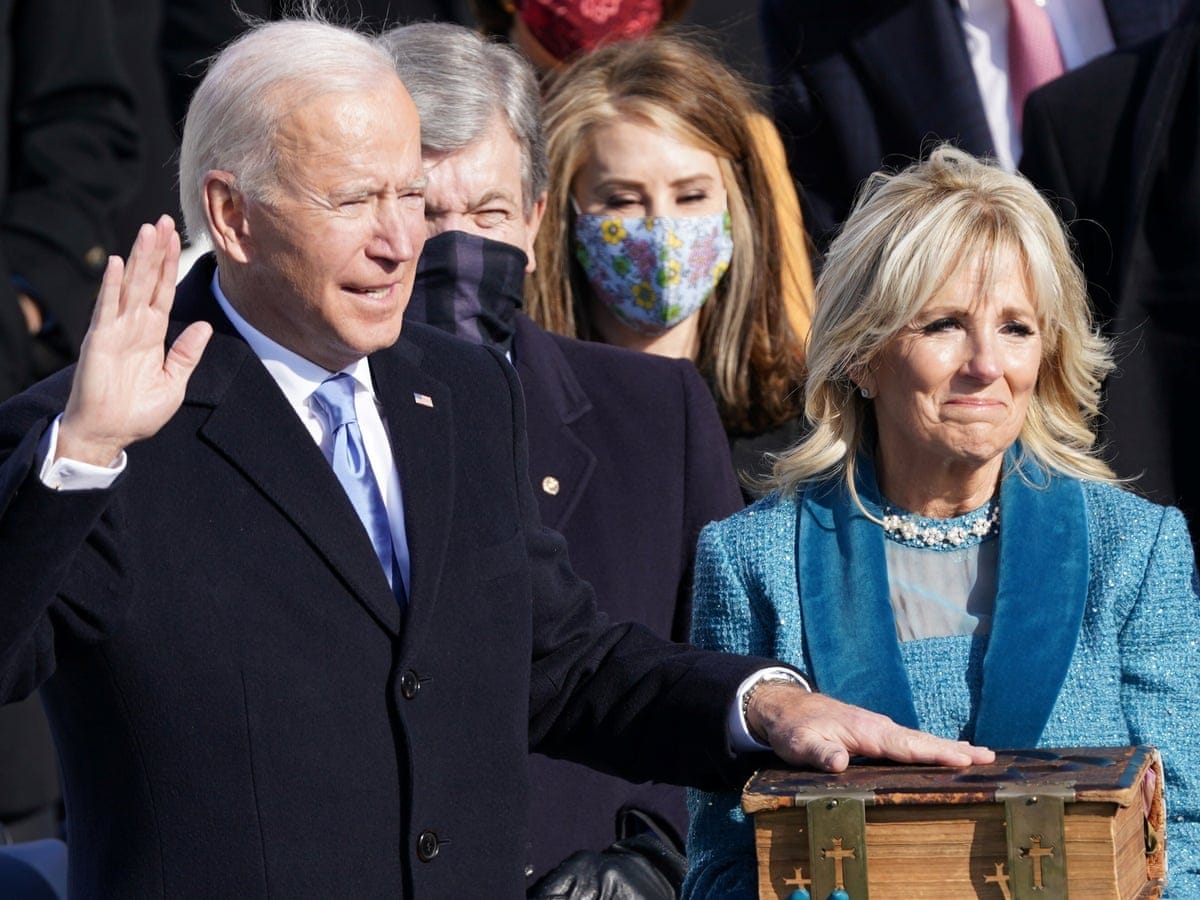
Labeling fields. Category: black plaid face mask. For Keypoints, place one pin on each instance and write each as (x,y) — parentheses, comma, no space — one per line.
(469,286)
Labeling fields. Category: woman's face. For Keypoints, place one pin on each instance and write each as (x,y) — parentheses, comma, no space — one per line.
(951,390)
(637,169)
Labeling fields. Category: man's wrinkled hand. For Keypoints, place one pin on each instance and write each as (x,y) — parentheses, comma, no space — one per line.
(126,384)
(815,731)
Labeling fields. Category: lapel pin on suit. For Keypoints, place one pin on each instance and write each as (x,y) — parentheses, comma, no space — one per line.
(422,399)
(550,485)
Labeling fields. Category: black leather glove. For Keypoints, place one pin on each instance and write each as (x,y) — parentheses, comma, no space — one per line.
(645,866)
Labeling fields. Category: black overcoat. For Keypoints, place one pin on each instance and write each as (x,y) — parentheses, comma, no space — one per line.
(240,706)
(628,460)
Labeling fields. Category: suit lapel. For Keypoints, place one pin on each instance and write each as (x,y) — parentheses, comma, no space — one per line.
(419,417)
(1176,63)
(250,422)
(1040,599)
(935,87)
(560,462)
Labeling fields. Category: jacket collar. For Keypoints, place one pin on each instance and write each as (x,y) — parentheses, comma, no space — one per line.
(250,420)
(853,650)
(561,463)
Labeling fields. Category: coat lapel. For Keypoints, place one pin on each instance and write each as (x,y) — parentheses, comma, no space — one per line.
(1040,599)
(560,462)
(1176,63)
(250,422)
(419,417)
(849,629)
(935,87)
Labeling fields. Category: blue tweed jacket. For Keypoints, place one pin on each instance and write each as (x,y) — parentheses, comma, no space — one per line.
(1095,641)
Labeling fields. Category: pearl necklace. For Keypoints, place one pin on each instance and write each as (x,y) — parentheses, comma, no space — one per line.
(965,531)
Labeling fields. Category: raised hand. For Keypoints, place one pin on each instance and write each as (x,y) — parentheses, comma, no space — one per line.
(816,731)
(126,386)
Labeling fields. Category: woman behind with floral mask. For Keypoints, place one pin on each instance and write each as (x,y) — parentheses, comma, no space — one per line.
(661,235)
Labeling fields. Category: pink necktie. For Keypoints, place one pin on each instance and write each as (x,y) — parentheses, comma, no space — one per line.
(1033,54)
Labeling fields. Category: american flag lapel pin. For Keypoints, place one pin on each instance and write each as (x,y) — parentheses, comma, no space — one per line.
(422,399)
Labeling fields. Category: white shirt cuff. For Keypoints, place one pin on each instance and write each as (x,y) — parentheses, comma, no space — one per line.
(72,475)
(740,738)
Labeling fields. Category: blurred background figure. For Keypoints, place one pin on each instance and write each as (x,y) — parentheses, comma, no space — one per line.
(553,32)
(626,452)
(1116,144)
(870,83)
(68,159)
(947,528)
(662,232)
(193,30)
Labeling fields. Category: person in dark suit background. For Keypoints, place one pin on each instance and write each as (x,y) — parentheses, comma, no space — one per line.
(1115,145)
(873,83)
(193,30)
(246,702)
(626,449)
(68,156)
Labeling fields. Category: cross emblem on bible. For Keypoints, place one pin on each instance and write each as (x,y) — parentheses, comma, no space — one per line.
(837,854)
(1035,853)
(798,880)
(1001,879)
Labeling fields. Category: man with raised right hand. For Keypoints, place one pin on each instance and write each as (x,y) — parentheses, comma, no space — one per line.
(280,575)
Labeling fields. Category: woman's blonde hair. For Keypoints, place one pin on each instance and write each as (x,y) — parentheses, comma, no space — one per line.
(747,347)
(908,235)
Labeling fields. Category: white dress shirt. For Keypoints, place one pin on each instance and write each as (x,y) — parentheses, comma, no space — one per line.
(1083,33)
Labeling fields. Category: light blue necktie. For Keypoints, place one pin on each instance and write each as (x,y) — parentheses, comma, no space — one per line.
(334,402)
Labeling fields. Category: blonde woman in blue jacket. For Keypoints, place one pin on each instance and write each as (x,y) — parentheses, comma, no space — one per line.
(946,547)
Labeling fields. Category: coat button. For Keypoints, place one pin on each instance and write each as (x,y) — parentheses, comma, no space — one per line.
(410,684)
(95,257)
(550,485)
(427,846)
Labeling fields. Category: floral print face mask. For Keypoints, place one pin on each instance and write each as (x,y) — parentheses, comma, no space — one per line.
(653,272)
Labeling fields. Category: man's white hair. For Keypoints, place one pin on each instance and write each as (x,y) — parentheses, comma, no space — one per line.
(233,121)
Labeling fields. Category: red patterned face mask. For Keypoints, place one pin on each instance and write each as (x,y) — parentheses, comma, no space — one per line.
(566,27)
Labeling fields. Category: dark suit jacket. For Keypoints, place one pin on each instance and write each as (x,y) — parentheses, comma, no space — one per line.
(1116,144)
(866,83)
(240,709)
(639,465)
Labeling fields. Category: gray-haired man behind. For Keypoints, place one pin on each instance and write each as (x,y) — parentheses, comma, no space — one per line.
(588,405)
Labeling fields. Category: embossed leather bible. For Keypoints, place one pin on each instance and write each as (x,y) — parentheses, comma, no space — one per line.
(1085,823)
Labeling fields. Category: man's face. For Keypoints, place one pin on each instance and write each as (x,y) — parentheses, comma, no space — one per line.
(478,190)
(331,253)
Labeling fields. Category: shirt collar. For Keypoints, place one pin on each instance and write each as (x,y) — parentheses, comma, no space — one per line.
(296,376)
